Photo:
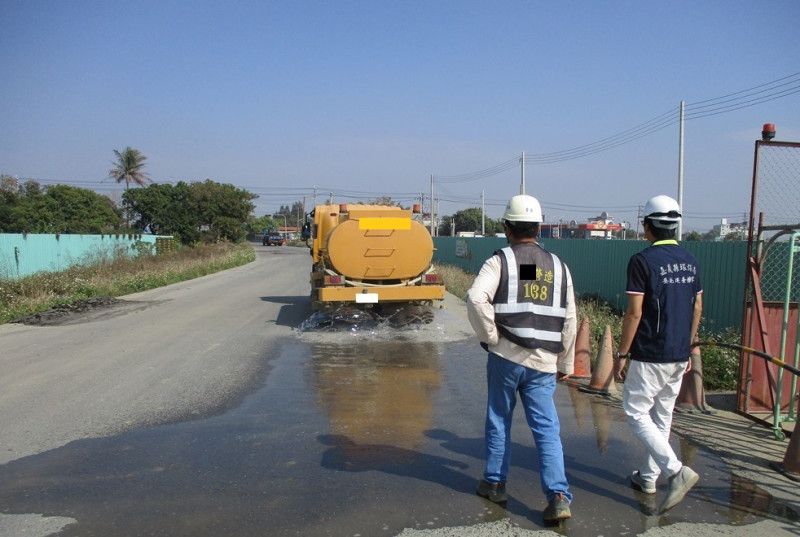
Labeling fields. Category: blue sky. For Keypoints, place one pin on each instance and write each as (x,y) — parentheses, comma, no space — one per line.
(371,98)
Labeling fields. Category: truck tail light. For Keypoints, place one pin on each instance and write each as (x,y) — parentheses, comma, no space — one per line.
(334,280)
(433,278)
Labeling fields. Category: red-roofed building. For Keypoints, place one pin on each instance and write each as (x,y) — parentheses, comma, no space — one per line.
(599,227)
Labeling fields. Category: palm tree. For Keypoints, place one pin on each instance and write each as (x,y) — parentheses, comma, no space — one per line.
(128,167)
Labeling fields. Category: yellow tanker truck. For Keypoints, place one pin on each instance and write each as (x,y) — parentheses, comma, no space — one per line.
(376,257)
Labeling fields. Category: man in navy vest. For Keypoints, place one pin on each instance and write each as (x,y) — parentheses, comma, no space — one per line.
(522,308)
(660,324)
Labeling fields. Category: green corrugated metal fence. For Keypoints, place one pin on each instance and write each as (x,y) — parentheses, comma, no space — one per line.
(29,253)
(599,268)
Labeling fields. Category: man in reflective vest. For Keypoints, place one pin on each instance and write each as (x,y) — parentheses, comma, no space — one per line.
(661,321)
(522,308)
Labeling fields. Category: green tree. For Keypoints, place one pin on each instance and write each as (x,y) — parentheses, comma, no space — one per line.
(693,236)
(734,236)
(62,209)
(294,214)
(206,211)
(257,224)
(496,226)
(83,211)
(382,200)
(128,167)
(445,228)
(470,220)
(163,210)
(9,197)
(222,210)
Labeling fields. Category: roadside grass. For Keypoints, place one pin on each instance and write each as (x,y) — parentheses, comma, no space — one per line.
(119,276)
(720,365)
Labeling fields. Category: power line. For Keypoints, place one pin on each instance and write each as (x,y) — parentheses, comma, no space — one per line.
(653,125)
(482,174)
(745,104)
(750,90)
(770,91)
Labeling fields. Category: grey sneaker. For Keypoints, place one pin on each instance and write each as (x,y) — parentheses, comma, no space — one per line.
(638,483)
(679,485)
(494,492)
(557,509)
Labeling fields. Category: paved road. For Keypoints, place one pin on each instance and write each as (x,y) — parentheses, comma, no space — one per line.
(162,356)
(197,410)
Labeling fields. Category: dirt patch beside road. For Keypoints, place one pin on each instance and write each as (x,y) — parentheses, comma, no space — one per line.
(82,311)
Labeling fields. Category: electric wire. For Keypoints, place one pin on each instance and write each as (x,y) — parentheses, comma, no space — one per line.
(482,174)
(769,91)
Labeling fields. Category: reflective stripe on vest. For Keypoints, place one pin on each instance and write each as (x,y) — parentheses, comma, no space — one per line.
(526,323)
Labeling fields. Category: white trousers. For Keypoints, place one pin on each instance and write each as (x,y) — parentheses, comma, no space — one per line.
(648,399)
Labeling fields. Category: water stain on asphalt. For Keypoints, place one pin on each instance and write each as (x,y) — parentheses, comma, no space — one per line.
(364,436)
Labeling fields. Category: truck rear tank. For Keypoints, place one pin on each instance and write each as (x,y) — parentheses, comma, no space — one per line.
(372,263)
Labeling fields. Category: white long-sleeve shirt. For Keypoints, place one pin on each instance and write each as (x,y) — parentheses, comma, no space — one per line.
(480,312)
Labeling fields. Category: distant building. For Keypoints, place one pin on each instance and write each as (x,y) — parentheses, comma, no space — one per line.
(724,229)
(599,227)
(290,232)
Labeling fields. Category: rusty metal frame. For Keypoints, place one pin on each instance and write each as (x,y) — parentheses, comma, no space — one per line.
(757,252)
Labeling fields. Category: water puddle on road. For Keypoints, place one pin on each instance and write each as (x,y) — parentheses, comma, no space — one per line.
(360,435)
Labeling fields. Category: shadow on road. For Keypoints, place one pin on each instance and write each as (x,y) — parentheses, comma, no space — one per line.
(294,311)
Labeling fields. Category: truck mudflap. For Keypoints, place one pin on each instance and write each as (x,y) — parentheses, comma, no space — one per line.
(350,317)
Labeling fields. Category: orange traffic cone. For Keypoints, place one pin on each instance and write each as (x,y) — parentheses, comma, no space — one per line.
(790,467)
(583,351)
(602,382)
(692,397)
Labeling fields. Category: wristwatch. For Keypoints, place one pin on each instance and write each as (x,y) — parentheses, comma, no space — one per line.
(619,356)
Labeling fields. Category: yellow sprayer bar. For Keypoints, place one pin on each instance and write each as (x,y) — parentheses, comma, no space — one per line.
(384,223)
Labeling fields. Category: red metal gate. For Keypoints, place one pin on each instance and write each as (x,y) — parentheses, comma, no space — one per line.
(766,392)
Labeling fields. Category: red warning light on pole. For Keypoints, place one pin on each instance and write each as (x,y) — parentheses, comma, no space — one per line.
(768,132)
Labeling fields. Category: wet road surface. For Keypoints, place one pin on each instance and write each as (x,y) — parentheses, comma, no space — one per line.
(361,435)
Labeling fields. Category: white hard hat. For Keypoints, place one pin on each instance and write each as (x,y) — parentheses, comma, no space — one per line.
(523,208)
(663,211)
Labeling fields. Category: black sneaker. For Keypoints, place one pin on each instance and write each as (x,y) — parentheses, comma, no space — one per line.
(494,492)
(557,509)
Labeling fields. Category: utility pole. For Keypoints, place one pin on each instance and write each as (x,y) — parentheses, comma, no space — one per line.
(522,163)
(433,227)
(483,213)
(680,171)
(285,223)
(436,227)
(638,219)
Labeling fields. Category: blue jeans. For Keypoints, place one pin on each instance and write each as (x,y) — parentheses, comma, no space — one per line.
(505,380)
